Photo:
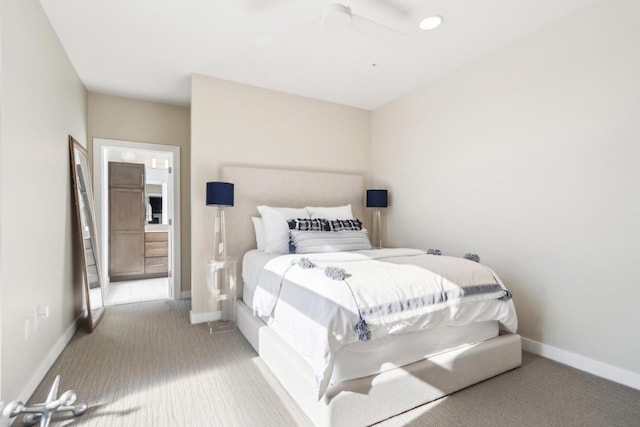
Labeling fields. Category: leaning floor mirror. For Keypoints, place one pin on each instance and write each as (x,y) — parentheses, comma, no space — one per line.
(83,195)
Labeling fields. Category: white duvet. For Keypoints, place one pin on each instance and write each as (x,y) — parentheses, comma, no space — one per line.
(390,291)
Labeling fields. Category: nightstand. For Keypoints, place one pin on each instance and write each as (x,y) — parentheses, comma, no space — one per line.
(221,284)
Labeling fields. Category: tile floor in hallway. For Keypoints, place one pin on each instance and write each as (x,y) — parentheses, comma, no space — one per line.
(137,291)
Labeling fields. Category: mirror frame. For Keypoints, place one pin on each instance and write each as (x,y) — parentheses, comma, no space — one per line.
(93,316)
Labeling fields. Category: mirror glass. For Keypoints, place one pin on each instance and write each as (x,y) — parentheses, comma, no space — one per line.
(155,189)
(83,195)
(153,194)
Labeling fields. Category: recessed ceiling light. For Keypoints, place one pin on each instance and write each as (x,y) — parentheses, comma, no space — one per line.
(431,22)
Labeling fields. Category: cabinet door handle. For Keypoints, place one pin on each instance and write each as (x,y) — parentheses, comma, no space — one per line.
(156,265)
(142,180)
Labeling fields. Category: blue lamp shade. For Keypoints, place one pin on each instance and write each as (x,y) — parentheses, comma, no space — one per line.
(376,198)
(219,194)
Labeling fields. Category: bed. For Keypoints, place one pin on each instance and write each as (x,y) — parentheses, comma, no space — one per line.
(369,380)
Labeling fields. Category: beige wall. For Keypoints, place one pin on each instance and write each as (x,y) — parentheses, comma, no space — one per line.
(529,157)
(43,101)
(115,117)
(235,124)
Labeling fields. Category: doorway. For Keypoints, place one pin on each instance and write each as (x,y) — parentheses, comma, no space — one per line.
(161,218)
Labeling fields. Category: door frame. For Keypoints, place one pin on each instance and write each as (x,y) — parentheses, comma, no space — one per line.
(100,175)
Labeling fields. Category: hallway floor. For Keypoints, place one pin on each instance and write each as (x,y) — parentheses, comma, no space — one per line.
(137,291)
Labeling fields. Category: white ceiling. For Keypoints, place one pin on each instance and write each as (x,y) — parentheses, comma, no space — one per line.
(148,49)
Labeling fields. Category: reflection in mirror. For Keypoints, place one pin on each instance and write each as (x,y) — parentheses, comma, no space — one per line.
(155,189)
(154,203)
(83,196)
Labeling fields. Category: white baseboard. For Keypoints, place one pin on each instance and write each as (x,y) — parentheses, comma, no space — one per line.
(49,360)
(210,316)
(185,295)
(600,369)
(44,367)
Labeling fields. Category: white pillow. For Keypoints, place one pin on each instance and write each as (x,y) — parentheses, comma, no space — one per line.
(337,212)
(276,228)
(259,229)
(329,241)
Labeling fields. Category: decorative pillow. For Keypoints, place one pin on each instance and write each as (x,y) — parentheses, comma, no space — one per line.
(317,224)
(258,227)
(329,241)
(337,212)
(276,228)
(344,224)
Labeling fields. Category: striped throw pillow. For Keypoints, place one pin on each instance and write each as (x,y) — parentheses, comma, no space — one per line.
(329,241)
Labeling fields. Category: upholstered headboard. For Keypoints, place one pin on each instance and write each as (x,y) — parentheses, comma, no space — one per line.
(283,188)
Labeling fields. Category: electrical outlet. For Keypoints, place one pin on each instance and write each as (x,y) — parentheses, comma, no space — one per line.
(27,329)
(40,312)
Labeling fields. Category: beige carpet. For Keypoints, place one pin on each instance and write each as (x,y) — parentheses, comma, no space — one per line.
(145,365)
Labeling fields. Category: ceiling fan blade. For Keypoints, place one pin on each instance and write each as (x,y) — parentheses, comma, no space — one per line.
(391,7)
(375,29)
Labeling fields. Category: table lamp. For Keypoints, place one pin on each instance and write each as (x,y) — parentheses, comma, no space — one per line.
(376,199)
(219,194)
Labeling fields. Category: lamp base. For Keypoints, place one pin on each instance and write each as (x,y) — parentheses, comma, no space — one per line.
(376,235)
(219,235)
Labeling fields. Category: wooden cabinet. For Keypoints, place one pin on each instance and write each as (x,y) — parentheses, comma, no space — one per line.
(156,254)
(133,253)
(126,221)
(126,175)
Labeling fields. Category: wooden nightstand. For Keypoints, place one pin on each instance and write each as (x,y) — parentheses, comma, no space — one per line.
(221,284)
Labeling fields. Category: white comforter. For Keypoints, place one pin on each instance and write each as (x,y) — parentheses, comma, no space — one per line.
(393,290)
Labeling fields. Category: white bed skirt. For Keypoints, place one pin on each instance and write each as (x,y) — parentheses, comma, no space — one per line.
(364,401)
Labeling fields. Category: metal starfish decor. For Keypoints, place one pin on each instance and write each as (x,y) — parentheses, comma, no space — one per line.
(42,412)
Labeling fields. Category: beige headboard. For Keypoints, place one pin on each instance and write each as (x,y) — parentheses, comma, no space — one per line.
(283,188)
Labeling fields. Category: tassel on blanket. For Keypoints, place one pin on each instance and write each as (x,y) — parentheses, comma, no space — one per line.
(472,257)
(362,330)
(305,263)
(434,252)
(506,297)
(336,273)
